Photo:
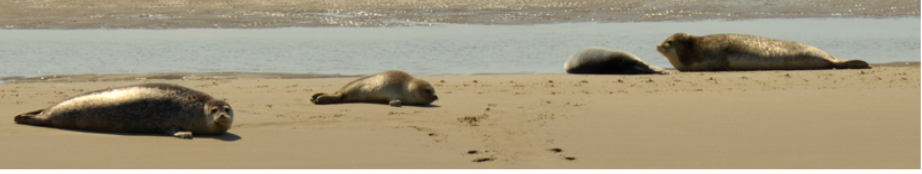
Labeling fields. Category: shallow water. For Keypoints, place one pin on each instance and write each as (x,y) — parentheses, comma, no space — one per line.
(94,14)
(432,50)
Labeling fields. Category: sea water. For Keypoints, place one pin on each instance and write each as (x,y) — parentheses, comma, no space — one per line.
(436,49)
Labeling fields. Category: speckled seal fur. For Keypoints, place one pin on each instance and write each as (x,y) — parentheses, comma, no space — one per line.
(597,60)
(144,108)
(396,88)
(739,52)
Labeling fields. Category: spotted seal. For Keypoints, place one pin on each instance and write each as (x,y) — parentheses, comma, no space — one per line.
(394,87)
(730,52)
(144,108)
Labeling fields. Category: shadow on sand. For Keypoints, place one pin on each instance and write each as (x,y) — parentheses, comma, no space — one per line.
(228,136)
(373,103)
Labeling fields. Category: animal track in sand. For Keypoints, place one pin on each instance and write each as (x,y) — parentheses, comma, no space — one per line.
(559,150)
(436,137)
(397,113)
(574,104)
(480,160)
(473,120)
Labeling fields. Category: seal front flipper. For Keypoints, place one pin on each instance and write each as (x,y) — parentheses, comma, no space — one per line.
(178,133)
(396,103)
(30,118)
(314,97)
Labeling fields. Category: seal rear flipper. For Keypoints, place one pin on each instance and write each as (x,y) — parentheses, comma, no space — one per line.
(30,118)
(322,98)
(314,97)
(661,72)
(655,70)
(851,64)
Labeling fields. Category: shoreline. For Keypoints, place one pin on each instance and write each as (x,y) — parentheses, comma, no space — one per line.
(270,75)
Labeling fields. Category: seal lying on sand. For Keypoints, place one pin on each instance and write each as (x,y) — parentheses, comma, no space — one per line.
(726,52)
(597,60)
(145,108)
(396,88)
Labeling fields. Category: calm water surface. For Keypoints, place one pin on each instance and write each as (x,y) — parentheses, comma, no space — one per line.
(429,50)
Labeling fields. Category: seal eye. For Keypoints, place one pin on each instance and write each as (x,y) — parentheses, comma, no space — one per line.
(227,110)
(669,42)
(214,110)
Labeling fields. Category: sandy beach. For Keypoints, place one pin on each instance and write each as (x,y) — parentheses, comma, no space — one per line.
(822,119)
(816,119)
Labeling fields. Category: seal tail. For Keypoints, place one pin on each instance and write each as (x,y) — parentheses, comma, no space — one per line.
(851,64)
(30,118)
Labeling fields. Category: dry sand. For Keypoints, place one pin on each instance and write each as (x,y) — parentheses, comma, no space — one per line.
(761,119)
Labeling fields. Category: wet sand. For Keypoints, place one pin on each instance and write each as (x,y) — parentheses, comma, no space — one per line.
(822,119)
(83,14)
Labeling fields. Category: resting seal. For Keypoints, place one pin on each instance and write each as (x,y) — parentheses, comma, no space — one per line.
(727,52)
(597,60)
(146,108)
(396,88)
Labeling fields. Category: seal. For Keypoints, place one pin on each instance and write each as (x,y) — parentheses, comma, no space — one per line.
(730,52)
(597,60)
(394,87)
(144,108)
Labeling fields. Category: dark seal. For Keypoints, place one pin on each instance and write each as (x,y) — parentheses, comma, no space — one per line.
(596,60)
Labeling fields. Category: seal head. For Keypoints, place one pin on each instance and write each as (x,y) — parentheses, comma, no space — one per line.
(220,115)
